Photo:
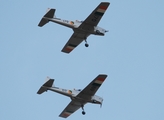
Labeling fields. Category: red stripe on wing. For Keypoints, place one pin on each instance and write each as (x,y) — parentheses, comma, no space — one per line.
(68,49)
(65,115)
(103,7)
(101,79)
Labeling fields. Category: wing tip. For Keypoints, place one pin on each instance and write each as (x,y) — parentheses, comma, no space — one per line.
(104,75)
(64,51)
(63,116)
(105,2)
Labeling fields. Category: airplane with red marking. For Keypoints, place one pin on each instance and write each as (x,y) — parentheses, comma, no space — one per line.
(78,97)
(82,29)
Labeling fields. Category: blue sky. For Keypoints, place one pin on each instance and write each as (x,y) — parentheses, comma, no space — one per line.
(131,54)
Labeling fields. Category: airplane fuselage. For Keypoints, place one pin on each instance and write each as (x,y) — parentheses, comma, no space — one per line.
(96,30)
(73,95)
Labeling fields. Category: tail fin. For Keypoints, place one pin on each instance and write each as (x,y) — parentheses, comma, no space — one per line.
(49,14)
(43,88)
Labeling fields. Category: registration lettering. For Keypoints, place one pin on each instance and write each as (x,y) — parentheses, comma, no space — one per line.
(66,21)
(64,90)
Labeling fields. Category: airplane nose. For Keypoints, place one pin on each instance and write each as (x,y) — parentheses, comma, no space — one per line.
(106,30)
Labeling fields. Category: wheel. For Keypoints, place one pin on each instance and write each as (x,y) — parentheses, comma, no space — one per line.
(86,45)
(83,112)
(97,31)
(94,101)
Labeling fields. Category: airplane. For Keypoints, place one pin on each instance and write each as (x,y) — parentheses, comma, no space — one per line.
(82,29)
(78,97)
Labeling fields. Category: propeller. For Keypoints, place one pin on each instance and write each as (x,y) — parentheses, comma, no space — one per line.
(106,30)
(101,103)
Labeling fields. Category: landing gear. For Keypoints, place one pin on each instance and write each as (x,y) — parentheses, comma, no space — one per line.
(97,31)
(83,112)
(86,44)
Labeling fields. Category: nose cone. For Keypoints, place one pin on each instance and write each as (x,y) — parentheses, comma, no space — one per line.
(106,30)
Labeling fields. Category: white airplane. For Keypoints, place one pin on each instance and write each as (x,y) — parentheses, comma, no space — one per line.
(78,97)
(82,29)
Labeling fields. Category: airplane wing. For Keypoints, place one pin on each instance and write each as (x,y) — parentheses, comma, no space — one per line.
(74,41)
(94,18)
(91,89)
(71,108)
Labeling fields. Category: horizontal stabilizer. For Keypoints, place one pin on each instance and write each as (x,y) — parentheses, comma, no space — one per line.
(43,88)
(49,14)
(43,22)
(49,83)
